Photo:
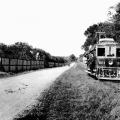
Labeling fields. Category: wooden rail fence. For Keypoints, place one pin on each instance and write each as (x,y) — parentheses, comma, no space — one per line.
(19,65)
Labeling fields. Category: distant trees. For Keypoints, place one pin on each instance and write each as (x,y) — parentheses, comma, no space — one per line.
(72,58)
(3,49)
(21,50)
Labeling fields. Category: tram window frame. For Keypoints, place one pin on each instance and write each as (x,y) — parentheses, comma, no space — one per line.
(117,55)
(99,53)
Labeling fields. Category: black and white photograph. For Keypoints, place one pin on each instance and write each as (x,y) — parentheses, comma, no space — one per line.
(59,59)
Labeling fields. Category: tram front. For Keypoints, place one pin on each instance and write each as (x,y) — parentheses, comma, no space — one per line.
(108,59)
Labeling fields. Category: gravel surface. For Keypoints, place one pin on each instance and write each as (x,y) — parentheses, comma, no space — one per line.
(20,92)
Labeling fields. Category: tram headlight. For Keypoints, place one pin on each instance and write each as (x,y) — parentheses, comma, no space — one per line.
(110,62)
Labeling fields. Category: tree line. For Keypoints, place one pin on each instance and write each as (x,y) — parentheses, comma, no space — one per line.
(21,50)
(111,27)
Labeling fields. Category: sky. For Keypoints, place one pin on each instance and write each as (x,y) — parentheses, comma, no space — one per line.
(56,26)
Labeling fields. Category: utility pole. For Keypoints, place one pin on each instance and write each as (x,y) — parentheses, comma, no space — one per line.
(99,34)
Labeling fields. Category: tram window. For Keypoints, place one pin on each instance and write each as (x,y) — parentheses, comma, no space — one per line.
(118,52)
(101,51)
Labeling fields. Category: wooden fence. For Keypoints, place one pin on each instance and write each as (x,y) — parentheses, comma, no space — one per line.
(17,65)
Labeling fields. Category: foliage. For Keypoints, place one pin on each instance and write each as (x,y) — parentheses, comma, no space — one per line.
(114,14)
(111,28)
(72,57)
(115,18)
(3,50)
(21,50)
(91,36)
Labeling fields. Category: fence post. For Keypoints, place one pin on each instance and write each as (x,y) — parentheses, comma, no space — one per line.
(22,65)
(17,65)
(9,65)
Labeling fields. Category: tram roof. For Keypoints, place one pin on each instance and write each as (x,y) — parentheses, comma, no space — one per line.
(106,40)
(102,41)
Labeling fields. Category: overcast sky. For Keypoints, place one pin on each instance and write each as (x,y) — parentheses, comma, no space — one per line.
(56,26)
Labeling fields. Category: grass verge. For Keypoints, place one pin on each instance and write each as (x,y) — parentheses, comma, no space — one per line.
(75,96)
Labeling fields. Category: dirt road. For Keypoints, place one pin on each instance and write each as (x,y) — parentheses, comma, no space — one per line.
(19,92)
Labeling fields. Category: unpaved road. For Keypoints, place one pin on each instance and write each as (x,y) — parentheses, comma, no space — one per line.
(20,92)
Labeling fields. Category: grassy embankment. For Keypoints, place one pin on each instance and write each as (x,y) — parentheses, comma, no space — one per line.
(75,96)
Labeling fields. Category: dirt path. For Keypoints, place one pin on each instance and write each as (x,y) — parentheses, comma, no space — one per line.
(19,92)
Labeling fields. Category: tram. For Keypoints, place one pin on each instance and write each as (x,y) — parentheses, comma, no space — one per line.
(103,59)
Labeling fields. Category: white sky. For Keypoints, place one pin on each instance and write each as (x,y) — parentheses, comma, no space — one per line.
(56,26)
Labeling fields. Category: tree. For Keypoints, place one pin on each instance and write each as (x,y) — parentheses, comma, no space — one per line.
(72,57)
(3,50)
(114,14)
(91,36)
(21,50)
